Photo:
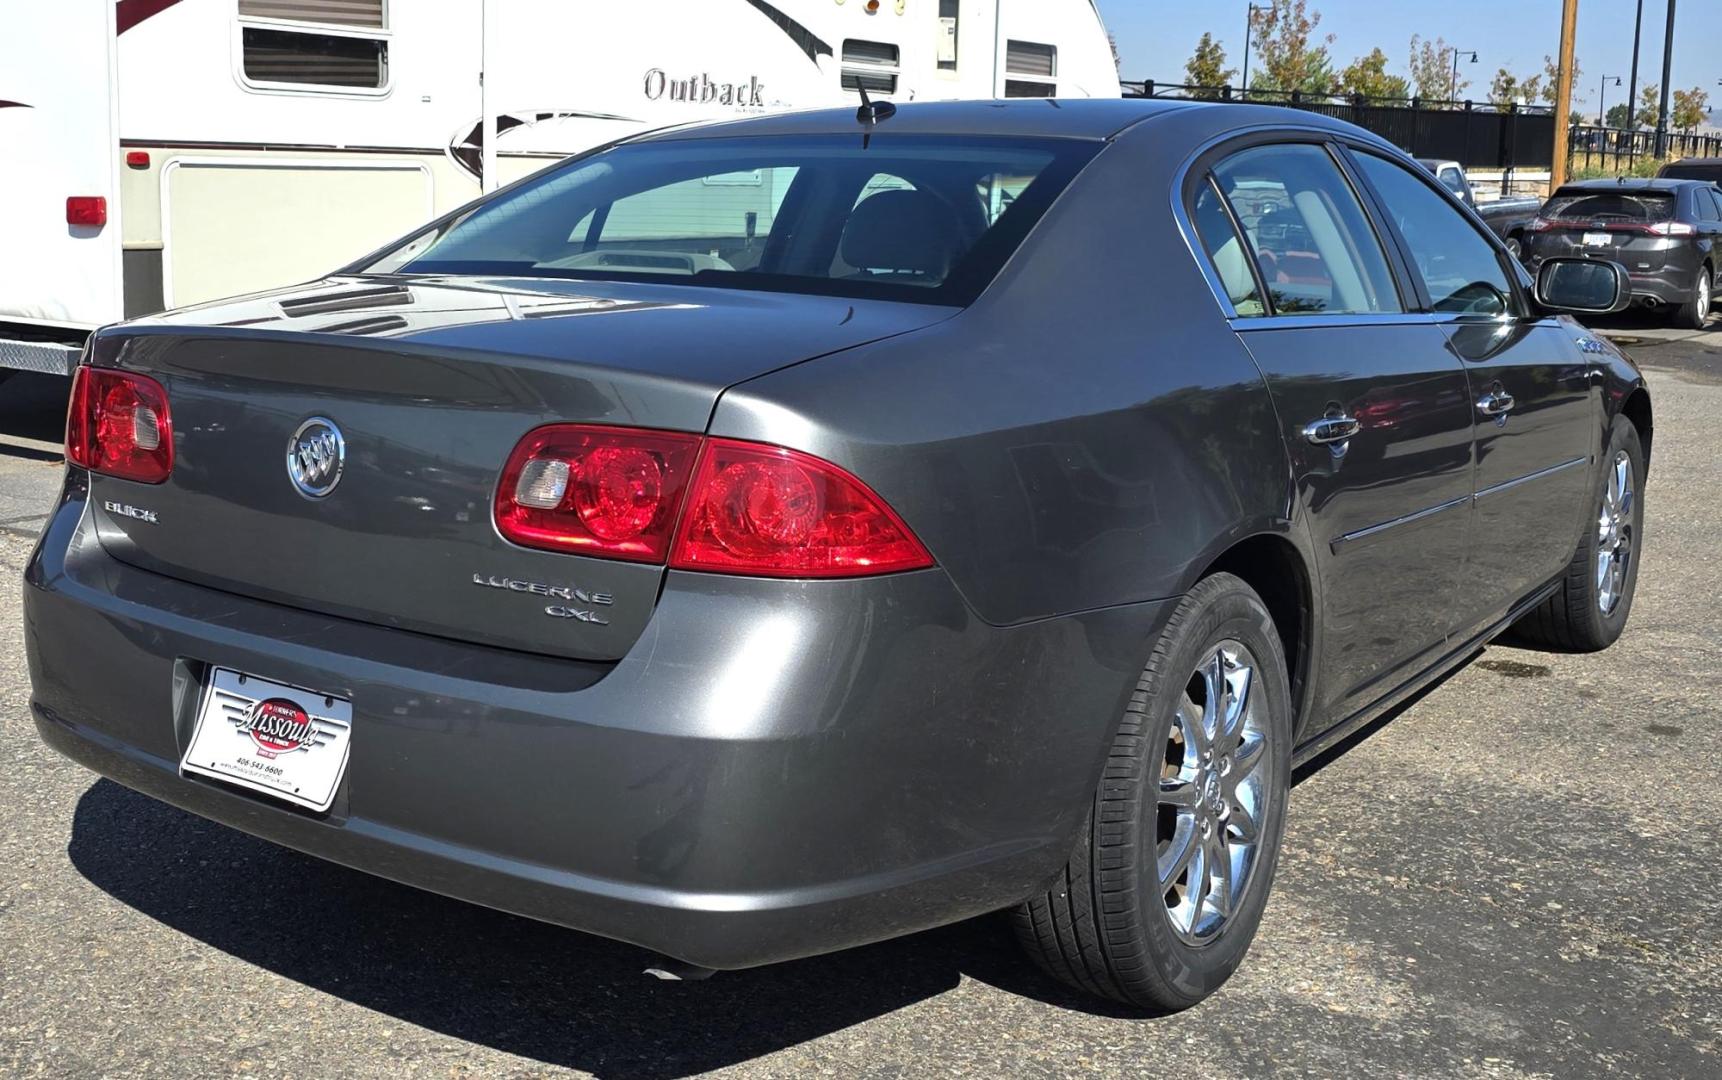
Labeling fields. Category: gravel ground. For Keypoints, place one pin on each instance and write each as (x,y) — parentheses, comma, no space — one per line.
(1518,875)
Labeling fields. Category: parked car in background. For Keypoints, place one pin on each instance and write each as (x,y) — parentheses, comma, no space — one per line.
(1667,233)
(1508,216)
(1693,169)
(750,585)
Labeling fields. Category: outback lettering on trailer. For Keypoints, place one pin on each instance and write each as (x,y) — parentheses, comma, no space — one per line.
(701,90)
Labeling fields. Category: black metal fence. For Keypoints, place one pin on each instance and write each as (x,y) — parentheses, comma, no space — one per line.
(1476,134)
(1620,150)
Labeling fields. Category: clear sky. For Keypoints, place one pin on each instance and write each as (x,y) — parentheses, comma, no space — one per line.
(1155,37)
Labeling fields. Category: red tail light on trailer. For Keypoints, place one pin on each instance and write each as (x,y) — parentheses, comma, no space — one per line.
(119,424)
(707,504)
(88,210)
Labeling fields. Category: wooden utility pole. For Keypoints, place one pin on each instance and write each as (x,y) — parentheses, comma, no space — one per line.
(1564,94)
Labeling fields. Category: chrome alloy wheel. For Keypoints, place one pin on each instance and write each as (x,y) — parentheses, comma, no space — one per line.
(1213,794)
(1614,535)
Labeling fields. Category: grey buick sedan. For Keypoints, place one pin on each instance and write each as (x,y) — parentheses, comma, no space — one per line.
(755,540)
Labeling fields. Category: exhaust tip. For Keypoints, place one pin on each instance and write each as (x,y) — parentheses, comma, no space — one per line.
(665,969)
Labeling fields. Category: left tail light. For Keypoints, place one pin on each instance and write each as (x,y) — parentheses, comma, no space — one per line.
(119,424)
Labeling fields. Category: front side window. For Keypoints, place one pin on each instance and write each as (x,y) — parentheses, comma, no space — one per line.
(908,218)
(1308,234)
(1461,270)
(315,44)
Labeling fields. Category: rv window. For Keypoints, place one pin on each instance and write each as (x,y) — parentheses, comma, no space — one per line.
(291,58)
(1028,58)
(873,64)
(895,217)
(362,13)
(1033,69)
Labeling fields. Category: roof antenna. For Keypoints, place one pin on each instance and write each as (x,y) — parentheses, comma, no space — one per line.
(872,112)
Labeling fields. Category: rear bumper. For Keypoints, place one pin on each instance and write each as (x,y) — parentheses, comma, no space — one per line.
(776,769)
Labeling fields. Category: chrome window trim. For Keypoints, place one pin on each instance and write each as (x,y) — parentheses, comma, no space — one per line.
(1246,323)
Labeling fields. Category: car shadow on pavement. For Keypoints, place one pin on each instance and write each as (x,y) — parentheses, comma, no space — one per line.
(522,987)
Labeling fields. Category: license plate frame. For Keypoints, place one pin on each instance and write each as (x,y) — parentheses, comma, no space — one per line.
(1598,239)
(279,740)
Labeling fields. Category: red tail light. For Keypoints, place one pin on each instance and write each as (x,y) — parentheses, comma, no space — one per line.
(750,508)
(91,210)
(119,425)
(1541,224)
(771,512)
(607,491)
(1672,228)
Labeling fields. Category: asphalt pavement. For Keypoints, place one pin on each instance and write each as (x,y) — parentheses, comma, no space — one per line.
(1518,875)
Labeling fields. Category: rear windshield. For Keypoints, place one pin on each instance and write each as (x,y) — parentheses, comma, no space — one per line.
(904,218)
(1620,206)
(1695,171)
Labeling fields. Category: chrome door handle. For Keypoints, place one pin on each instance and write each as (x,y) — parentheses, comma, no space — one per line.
(1496,403)
(1331,429)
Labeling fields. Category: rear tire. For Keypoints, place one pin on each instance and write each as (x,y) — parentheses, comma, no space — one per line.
(1696,314)
(1165,889)
(1589,611)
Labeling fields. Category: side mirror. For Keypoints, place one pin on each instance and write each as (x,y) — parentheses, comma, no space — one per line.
(1583,286)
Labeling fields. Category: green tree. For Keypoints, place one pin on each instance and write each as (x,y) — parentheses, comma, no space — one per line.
(1367,76)
(1504,88)
(1650,105)
(1282,31)
(1552,78)
(1432,71)
(1207,68)
(1690,108)
(1619,116)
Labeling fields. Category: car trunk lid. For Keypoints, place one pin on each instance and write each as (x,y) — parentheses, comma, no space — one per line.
(431,385)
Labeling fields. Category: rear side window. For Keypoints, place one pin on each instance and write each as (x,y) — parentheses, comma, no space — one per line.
(1624,207)
(907,218)
(1226,250)
(1311,241)
(1458,266)
(1709,206)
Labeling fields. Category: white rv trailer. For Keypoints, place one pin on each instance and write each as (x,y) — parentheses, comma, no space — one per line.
(159,153)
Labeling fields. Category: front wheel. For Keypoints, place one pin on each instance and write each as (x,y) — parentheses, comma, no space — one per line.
(1166,886)
(1589,611)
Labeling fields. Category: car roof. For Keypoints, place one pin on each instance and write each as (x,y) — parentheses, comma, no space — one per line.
(1664,184)
(1081,118)
(1067,118)
(1696,161)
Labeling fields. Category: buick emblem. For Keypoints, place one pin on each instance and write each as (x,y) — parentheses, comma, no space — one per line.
(315,456)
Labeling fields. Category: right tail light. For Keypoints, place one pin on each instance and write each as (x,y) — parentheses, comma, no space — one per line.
(696,503)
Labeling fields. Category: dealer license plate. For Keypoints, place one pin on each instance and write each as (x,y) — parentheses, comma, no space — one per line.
(269,737)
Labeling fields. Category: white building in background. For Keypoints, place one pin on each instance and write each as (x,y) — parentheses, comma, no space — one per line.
(164,152)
